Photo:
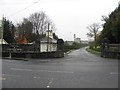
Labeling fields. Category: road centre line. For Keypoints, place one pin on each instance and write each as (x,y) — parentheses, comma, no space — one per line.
(19,69)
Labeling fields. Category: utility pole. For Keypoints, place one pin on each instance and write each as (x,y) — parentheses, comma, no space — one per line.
(48,38)
(2,31)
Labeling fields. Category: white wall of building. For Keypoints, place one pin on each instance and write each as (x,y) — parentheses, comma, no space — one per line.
(51,47)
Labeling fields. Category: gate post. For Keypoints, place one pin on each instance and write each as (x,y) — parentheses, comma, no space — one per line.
(105,48)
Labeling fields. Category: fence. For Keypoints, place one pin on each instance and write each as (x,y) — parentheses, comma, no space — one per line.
(20,48)
(31,50)
(110,50)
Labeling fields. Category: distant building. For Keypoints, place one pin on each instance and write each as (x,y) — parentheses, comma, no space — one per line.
(69,42)
(77,40)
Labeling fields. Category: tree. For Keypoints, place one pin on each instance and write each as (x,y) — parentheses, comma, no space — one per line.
(40,22)
(104,18)
(8,33)
(35,26)
(111,27)
(25,28)
(55,36)
(93,30)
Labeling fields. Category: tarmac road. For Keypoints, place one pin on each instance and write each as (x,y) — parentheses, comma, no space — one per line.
(79,69)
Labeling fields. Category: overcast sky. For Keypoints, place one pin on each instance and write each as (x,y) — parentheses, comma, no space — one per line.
(70,16)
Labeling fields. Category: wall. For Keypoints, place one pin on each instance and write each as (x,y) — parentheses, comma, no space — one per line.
(51,47)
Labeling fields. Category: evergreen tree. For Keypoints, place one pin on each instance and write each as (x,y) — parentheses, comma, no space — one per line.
(111,28)
(8,33)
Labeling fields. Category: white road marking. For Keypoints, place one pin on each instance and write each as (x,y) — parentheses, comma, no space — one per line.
(10,75)
(114,73)
(48,86)
(36,77)
(3,78)
(44,60)
(19,69)
(51,81)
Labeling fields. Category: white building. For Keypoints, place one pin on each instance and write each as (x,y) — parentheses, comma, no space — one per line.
(77,40)
(48,43)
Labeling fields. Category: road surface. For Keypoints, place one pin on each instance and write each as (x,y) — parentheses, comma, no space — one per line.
(79,69)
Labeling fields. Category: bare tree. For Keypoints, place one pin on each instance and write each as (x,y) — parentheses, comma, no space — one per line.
(35,26)
(93,30)
(40,22)
(104,18)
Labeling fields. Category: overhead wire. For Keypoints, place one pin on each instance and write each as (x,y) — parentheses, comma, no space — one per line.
(24,8)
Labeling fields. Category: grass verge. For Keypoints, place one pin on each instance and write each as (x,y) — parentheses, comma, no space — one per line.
(93,52)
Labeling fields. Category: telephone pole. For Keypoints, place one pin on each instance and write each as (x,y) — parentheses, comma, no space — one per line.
(48,38)
(2,31)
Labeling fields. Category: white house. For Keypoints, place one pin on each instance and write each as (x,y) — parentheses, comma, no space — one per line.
(48,43)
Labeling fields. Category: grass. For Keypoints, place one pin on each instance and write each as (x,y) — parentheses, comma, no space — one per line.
(93,52)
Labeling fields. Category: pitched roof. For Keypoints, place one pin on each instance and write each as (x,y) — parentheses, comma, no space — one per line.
(22,40)
(3,42)
(45,40)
